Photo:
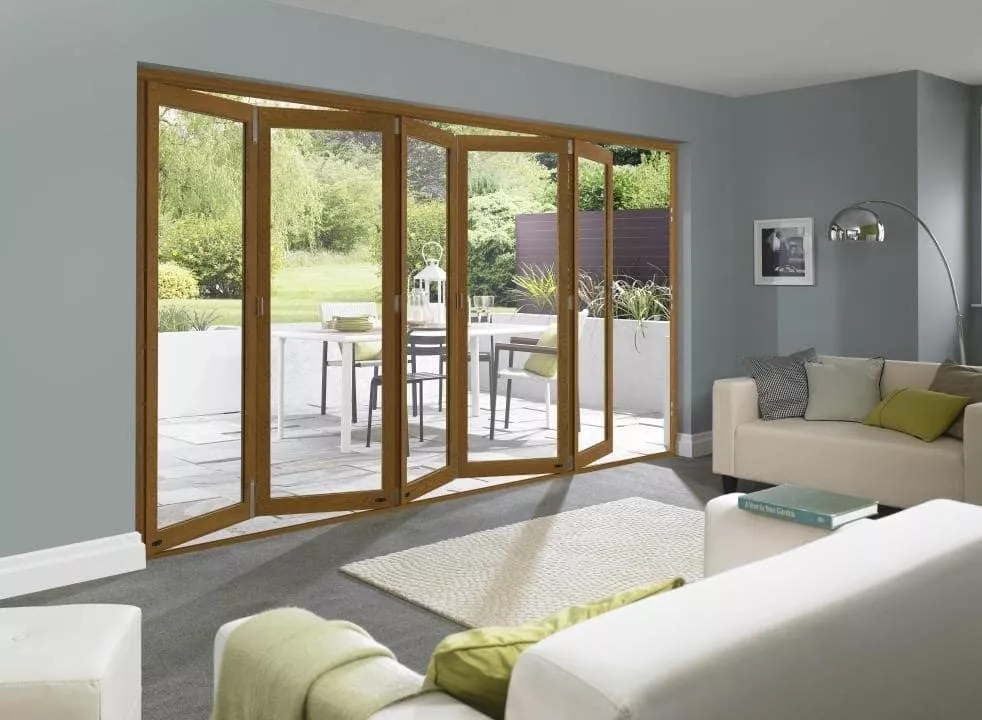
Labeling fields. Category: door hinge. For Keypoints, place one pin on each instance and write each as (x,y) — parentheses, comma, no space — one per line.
(260,306)
(255,125)
(397,302)
(569,147)
(252,499)
(398,126)
(569,304)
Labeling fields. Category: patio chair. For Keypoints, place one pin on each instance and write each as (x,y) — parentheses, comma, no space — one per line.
(541,366)
(422,343)
(366,354)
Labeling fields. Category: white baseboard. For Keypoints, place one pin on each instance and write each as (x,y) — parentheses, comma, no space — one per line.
(69,564)
(693,446)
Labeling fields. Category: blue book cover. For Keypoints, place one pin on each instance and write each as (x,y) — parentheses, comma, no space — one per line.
(807,506)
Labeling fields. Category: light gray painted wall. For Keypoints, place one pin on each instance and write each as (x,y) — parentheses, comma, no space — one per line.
(808,153)
(68,211)
(975,314)
(944,177)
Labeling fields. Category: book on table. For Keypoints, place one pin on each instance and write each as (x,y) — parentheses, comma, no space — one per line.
(807,506)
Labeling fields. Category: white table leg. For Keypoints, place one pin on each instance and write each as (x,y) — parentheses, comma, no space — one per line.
(281,384)
(347,364)
(474,367)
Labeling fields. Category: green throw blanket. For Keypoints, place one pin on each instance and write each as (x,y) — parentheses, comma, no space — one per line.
(290,664)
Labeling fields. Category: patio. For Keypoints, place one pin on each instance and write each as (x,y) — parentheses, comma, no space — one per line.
(199,456)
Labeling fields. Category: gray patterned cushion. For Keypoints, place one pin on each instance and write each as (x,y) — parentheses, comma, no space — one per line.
(782,383)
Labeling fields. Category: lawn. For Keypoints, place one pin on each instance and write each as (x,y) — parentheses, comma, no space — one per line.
(298,290)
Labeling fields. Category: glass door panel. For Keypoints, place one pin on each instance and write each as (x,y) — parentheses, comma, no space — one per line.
(198,164)
(518,285)
(593,256)
(431,334)
(323,231)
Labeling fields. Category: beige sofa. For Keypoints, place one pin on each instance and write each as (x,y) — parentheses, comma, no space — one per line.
(895,469)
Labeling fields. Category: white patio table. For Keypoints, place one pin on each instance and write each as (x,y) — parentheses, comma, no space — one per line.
(346,341)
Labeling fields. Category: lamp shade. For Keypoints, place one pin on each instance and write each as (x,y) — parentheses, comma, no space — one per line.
(856,224)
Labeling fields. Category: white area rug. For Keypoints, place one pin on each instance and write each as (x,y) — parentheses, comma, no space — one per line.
(523,572)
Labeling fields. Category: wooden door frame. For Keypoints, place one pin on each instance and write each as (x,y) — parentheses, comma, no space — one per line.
(158,95)
(582,457)
(411,128)
(207,82)
(565,300)
(392,354)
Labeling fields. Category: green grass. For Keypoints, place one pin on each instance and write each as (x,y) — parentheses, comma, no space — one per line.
(300,288)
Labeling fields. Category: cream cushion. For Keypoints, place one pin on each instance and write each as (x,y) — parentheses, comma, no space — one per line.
(70,662)
(883,465)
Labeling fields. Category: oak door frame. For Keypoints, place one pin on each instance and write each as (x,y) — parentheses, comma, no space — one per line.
(156,96)
(582,457)
(566,304)
(393,353)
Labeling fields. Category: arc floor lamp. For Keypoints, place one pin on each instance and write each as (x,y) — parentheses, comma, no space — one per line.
(860,223)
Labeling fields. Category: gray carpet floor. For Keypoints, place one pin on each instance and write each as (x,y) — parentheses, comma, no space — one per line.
(186,598)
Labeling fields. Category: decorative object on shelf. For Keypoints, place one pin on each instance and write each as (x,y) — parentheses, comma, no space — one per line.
(783,252)
(432,274)
(859,223)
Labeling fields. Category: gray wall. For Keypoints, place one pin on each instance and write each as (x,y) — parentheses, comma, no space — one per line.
(975,314)
(944,177)
(67,264)
(808,153)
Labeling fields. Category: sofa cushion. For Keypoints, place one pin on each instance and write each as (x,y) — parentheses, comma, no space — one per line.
(782,384)
(850,458)
(922,413)
(961,380)
(843,388)
(475,666)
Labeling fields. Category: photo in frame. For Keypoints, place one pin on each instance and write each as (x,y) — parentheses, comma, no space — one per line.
(784,252)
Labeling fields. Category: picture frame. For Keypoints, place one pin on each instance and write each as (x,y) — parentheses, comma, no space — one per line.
(784,252)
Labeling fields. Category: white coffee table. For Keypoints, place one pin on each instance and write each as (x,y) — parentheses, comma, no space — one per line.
(736,537)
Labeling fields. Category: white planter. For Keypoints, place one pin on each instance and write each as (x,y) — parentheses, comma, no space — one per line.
(641,372)
(200,372)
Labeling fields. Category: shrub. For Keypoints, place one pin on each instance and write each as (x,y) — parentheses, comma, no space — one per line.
(175,282)
(212,249)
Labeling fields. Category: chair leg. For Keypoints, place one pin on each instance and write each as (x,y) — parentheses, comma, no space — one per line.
(440,401)
(548,406)
(323,380)
(421,412)
(354,394)
(494,400)
(372,395)
(507,403)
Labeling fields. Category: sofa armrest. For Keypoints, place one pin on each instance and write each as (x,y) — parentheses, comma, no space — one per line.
(734,402)
(973,454)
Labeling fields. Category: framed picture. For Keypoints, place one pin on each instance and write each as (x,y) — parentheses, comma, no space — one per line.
(783,252)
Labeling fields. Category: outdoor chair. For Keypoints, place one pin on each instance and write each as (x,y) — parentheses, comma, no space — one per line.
(366,354)
(421,343)
(541,366)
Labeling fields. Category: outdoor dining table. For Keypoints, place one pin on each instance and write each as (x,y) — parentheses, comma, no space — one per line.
(347,340)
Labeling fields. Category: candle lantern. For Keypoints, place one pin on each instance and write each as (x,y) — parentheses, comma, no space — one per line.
(432,281)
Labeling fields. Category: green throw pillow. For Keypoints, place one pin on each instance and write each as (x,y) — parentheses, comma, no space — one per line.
(922,413)
(475,666)
(959,380)
(368,351)
(544,365)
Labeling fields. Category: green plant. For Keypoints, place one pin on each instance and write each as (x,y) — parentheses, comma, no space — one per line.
(591,294)
(536,287)
(178,318)
(640,301)
(175,282)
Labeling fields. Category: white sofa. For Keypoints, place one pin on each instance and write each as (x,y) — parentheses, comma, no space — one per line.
(882,621)
(895,469)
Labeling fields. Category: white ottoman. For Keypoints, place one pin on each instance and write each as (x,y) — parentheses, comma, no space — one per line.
(70,662)
(736,537)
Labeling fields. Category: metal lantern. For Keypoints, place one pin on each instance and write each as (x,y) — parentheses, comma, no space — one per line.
(432,274)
